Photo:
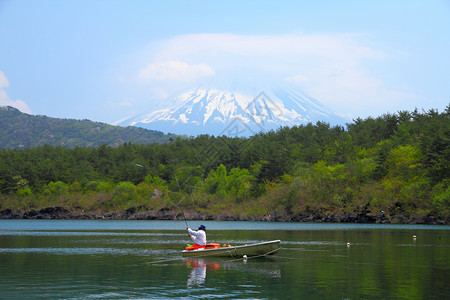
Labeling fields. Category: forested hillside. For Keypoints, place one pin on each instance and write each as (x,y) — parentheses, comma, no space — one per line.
(19,130)
(393,168)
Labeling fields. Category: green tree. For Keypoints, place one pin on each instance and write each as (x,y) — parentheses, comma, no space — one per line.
(240,183)
(216,182)
(123,192)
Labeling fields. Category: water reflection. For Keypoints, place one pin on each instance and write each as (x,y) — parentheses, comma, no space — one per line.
(259,267)
(198,273)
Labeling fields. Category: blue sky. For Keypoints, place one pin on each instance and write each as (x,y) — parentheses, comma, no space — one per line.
(106,60)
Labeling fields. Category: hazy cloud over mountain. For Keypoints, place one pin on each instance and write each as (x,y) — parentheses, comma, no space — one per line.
(6,101)
(331,67)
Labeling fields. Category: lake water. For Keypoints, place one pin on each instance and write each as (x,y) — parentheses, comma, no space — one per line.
(51,259)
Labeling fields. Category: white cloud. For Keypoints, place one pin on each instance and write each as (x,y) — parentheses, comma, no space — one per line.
(3,80)
(4,99)
(174,71)
(334,68)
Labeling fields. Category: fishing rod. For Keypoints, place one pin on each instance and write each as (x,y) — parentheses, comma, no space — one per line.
(176,205)
(184,216)
(182,198)
(178,184)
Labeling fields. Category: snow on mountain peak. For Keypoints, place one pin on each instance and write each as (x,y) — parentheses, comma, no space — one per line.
(216,112)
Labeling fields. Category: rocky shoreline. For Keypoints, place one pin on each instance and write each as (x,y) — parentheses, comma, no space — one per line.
(61,213)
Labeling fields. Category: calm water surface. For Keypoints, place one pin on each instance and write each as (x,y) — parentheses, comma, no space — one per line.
(141,259)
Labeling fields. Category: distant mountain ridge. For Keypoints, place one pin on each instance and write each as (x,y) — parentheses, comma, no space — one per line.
(233,113)
(20,130)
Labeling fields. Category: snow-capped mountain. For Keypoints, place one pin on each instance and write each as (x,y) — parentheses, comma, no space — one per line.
(220,112)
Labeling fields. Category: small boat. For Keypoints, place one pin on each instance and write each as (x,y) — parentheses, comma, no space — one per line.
(215,250)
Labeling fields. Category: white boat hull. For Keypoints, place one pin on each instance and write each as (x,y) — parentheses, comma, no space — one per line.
(264,248)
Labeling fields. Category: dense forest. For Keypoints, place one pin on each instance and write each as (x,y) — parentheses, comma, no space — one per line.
(19,130)
(393,168)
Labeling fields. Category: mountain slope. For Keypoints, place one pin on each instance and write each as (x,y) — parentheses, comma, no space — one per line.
(19,130)
(220,112)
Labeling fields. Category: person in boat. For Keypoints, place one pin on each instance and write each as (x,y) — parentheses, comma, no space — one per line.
(199,236)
